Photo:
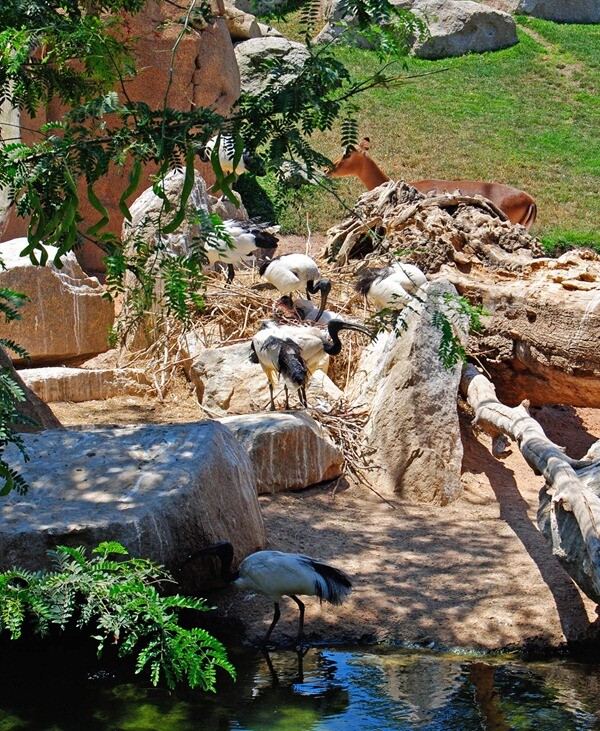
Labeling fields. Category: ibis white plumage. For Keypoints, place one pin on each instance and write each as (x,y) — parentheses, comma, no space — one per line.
(226,151)
(391,287)
(292,272)
(242,238)
(275,574)
(294,352)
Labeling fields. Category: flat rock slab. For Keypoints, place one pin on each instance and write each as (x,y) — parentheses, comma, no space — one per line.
(288,451)
(163,491)
(84,384)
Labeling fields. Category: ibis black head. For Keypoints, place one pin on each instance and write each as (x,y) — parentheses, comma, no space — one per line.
(265,265)
(334,327)
(254,164)
(324,287)
(223,551)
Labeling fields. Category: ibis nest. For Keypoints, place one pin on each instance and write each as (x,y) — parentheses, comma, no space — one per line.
(430,230)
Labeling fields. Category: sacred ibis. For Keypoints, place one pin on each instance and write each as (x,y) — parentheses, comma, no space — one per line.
(393,286)
(241,239)
(294,352)
(226,150)
(296,271)
(275,574)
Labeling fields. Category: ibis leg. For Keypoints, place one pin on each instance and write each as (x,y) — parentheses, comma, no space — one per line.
(302,396)
(287,398)
(230,273)
(301,622)
(271,394)
(276,616)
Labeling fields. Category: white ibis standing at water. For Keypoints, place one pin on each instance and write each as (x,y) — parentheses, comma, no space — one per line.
(291,272)
(275,574)
(294,352)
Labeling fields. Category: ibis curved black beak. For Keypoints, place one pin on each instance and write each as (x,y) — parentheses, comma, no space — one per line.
(324,287)
(337,325)
(221,549)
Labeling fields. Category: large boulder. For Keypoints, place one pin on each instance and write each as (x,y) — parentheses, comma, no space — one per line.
(67,315)
(288,451)
(206,74)
(457,27)
(37,414)
(413,435)
(573,11)
(162,491)
(251,57)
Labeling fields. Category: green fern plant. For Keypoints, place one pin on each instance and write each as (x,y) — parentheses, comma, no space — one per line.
(118,599)
(10,395)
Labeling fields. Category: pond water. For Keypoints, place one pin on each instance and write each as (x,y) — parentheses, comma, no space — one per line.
(327,689)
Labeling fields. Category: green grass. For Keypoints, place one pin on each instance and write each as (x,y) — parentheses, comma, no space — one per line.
(528,116)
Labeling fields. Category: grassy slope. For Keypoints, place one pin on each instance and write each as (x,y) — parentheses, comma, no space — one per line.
(528,116)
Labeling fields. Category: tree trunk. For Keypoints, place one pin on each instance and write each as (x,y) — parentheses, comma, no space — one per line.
(569,482)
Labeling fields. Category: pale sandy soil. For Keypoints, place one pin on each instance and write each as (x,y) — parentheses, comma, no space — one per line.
(474,574)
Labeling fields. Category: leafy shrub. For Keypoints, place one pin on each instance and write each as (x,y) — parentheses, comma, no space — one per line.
(119,601)
(10,395)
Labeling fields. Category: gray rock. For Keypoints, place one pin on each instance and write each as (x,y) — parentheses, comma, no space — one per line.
(413,431)
(67,315)
(252,54)
(32,407)
(288,451)
(84,384)
(562,11)
(457,27)
(162,491)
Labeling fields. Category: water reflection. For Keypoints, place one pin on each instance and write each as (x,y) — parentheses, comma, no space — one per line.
(321,690)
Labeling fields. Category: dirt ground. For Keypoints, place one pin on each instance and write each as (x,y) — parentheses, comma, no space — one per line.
(474,574)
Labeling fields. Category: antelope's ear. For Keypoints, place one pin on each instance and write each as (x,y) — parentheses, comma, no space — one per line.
(365,143)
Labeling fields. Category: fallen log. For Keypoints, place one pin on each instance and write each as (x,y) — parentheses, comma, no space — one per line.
(569,516)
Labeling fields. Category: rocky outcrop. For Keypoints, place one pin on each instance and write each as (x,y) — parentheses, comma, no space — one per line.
(252,54)
(540,339)
(455,27)
(39,416)
(162,491)
(84,384)
(67,315)
(288,451)
(412,436)
(574,11)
